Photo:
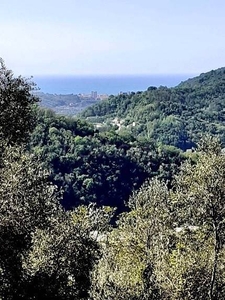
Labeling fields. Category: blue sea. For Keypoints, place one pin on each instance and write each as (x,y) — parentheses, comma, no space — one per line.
(111,85)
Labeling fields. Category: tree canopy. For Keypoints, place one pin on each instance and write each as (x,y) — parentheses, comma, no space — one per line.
(62,181)
(17,114)
(170,245)
(44,252)
(173,116)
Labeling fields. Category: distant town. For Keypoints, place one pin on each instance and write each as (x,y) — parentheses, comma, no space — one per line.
(94,95)
(69,104)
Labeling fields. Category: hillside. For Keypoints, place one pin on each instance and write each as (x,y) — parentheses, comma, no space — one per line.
(65,183)
(173,116)
(68,104)
(104,168)
(210,79)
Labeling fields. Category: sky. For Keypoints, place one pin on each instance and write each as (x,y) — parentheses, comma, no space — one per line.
(98,37)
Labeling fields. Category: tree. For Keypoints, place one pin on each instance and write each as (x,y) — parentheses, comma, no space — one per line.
(60,261)
(27,202)
(17,114)
(171,243)
(199,200)
(133,251)
(44,252)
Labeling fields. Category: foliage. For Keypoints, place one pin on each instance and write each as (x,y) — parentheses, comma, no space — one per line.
(45,253)
(171,243)
(25,205)
(59,263)
(168,242)
(173,116)
(128,267)
(68,104)
(17,115)
(199,200)
(92,167)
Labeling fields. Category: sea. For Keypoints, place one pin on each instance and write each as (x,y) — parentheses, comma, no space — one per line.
(110,85)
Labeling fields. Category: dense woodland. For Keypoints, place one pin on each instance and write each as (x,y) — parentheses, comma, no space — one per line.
(173,116)
(104,214)
(102,168)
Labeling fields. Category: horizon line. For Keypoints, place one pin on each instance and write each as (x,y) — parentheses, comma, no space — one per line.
(114,75)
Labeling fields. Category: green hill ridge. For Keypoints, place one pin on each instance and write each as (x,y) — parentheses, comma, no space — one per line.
(174,116)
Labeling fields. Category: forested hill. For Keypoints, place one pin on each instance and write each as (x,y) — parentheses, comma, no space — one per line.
(104,168)
(167,242)
(174,116)
(210,79)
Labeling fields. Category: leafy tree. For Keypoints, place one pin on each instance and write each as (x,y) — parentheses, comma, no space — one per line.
(171,243)
(133,251)
(44,252)
(17,115)
(199,201)
(27,202)
(60,261)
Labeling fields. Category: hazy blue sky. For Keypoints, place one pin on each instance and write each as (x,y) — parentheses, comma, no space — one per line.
(112,36)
